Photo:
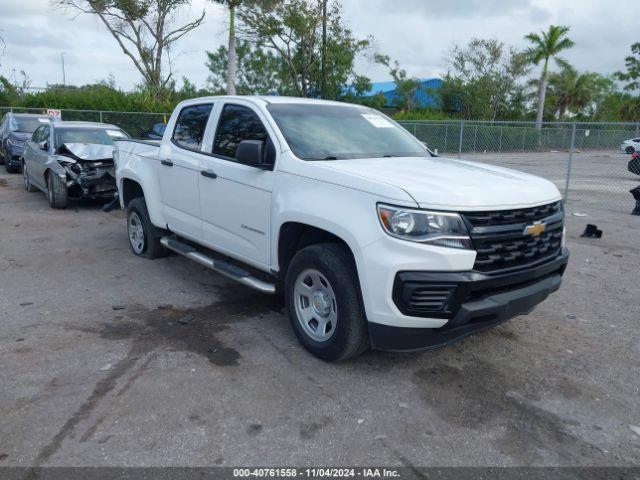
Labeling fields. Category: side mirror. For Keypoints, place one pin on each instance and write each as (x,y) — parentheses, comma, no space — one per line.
(251,152)
(43,145)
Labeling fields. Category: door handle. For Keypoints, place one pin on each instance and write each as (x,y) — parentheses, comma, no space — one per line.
(167,163)
(208,174)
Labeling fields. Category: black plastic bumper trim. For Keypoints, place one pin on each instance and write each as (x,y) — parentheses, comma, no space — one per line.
(499,299)
(471,284)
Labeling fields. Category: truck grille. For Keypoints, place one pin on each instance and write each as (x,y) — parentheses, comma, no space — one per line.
(502,243)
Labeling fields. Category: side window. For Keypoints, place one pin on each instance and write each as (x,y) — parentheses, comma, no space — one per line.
(190,126)
(236,124)
(45,134)
(37,134)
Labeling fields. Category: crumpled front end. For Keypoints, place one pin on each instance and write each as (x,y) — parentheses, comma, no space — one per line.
(88,177)
(91,179)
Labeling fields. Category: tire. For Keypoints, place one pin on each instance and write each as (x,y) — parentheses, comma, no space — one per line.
(25,177)
(56,192)
(331,299)
(629,150)
(10,168)
(144,237)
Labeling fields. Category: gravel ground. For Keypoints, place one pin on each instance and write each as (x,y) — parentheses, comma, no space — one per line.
(98,370)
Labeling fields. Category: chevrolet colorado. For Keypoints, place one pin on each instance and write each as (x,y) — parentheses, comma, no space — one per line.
(374,241)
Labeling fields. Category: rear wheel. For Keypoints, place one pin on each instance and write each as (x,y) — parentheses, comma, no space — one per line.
(144,237)
(324,303)
(629,149)
(25,177)
(8,167)
(56,191)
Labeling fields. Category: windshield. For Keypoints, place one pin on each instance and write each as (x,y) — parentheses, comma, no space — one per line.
(26,124)
(336,132)
(83,135)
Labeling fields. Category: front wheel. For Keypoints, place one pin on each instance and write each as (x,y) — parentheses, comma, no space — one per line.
(324,303)
(56,191)
(144,237)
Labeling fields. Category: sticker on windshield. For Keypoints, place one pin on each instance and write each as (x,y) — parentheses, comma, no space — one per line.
(115,133)
(377,121)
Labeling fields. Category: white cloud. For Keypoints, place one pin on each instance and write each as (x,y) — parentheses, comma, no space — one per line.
(418,33)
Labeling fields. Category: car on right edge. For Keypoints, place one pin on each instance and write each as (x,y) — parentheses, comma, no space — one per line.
(374,241)
(630,146)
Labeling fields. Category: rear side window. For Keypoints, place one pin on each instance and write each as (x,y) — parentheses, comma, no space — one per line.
(190,126)
(237,123)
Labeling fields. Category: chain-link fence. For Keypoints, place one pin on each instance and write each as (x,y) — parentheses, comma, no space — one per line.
(584,160)
(136,124)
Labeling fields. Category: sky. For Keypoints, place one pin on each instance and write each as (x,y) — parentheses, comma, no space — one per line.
(417,33)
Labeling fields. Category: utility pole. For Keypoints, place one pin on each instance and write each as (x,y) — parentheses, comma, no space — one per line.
(323,81)
(64,77)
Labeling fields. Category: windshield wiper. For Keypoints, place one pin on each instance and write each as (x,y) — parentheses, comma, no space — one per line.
(328,157)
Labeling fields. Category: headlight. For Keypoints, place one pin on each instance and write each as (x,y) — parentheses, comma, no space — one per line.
(436,228)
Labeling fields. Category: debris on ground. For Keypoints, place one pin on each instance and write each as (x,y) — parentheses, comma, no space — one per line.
(579,214)
(106,367)
(635,429)
(186,319)
(25,304)
(118,307)
(592,231)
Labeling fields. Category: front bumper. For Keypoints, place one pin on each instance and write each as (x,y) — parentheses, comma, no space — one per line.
(478,302)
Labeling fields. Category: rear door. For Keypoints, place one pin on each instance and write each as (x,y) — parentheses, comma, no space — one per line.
(235,199)
(179,171)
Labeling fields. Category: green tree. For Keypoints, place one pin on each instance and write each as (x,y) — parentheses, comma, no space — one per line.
(545,46)
(485,81)
(576,92)
(632,64)
(259,71)
(292,30)
(144,30)
(406,87)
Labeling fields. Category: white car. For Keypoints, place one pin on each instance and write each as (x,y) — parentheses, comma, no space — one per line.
(630,146)
(374,241)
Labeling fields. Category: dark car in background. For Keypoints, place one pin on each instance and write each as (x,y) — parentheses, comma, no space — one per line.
(157,131)
(15,130)
(71,160)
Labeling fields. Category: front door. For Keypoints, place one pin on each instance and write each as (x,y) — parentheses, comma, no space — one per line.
(235,199)
(179,171)
(38,157)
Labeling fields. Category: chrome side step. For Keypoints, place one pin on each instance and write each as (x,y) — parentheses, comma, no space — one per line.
(227,269)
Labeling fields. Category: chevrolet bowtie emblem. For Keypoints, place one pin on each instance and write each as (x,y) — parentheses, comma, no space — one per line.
(535,230)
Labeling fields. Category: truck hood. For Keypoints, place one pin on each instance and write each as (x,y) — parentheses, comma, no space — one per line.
(446,183)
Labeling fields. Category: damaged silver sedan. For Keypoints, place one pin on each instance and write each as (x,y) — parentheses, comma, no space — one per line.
(71,160)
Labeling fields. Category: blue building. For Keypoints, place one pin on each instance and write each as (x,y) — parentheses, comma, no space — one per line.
(424,97)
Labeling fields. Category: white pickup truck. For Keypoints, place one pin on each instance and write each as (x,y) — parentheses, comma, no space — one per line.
(374,241)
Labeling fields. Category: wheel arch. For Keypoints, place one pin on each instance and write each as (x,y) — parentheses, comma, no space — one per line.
(293,236)
(130,189)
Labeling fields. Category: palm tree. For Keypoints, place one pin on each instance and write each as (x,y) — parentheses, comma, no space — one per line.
(232,5)
(545,46)
(233,56)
